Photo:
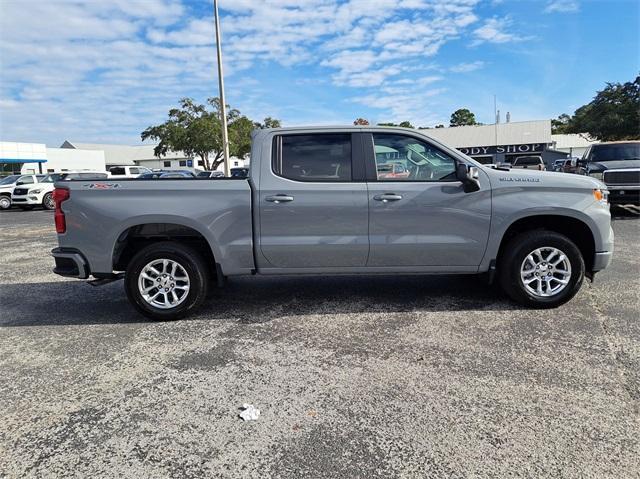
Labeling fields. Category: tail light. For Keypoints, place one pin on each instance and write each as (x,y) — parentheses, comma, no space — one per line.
(59,196)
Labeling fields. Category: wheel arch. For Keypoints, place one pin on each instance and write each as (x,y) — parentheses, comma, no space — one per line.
(577,230)
(133,237)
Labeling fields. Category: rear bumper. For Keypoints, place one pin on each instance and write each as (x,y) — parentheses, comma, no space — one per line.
(70,263)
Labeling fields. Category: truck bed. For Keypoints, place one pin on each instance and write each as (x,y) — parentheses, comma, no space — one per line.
(100,212)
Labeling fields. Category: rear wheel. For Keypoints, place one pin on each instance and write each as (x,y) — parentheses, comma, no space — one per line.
(48,202)
(166,281)
(543,269)
(5,203)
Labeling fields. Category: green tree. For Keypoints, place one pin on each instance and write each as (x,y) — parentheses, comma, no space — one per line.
(613,114)
(196,130)
(560,125)
(461,117)
(402,124)
(361,121)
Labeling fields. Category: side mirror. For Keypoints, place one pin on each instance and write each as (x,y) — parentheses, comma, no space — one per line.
(468,175)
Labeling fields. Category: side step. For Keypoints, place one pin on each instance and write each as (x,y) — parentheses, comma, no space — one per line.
(106,280)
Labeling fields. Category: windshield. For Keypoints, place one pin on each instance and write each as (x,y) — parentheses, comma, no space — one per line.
(619,152)
(9,179)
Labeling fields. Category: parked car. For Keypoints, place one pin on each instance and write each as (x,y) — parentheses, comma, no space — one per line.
(41,193)
(392,170)
(239,172)
(127,171)
(571,165)
(166,174)
(313,204)
(617,164)
(8,184)
(558,164)
(210,174)
(528,162)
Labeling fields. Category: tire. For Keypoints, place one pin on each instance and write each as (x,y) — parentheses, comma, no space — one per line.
(516,267)
(47,202)
(5,203)
(176,303)
(26,207)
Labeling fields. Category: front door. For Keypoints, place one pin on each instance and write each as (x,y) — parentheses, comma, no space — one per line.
(419,214)
(313,208)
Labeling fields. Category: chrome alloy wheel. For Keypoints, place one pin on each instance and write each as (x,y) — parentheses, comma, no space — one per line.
(545,272)
(49,202)
(163,283)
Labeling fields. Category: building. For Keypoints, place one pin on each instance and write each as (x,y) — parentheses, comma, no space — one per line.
(573,145)
(143,155)
(35,158)
(502,142)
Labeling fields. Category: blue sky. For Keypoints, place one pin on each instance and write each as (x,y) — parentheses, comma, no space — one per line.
(103,70)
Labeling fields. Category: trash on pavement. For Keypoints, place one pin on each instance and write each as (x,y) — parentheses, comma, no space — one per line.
(250,412)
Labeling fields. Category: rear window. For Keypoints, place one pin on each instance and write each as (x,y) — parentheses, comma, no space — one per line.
(319,157)
(528,160)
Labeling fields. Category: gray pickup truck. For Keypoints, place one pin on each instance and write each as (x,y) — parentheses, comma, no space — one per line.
(325,201)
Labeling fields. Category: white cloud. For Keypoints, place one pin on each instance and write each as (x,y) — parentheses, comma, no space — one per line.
(493,30)
(562,6)
(467,67)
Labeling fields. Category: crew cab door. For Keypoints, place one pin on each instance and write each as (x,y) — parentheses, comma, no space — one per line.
(313,204)
(422,218)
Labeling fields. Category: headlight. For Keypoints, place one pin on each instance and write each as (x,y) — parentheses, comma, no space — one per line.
(34,192)
(601,196)
(596,174)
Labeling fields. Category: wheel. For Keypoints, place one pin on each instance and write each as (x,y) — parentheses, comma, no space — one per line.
(166,281)
(48,203)
(5,202)
(543,269)
(26,207)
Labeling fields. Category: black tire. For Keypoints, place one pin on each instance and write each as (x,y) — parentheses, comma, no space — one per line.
(188,259)
(47,202)
(515,253)
(26,207)
(5,202)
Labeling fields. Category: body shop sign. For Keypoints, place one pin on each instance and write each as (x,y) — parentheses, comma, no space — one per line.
(492,150)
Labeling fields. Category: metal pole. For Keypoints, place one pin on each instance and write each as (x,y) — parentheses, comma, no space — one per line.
(223,106)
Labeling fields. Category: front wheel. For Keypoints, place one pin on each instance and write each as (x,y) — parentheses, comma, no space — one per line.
(543,269)
(5,203)
(166,281)
(48,202)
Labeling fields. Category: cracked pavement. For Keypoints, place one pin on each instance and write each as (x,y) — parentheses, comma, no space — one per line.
(377,376)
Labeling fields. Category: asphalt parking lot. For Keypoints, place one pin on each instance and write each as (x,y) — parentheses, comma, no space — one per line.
(384,376)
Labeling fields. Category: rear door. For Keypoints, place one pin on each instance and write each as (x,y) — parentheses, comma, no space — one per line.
(423,218)
(313,202)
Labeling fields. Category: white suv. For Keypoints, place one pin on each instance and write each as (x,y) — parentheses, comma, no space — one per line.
(28,197)
(8,184)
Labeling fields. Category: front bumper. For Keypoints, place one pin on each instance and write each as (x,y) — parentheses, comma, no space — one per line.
(70,263)
(32,200)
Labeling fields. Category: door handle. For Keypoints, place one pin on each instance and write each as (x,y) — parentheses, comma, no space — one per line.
(386,197)
(279,198)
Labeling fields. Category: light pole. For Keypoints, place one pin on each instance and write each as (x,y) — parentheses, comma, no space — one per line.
(223,105)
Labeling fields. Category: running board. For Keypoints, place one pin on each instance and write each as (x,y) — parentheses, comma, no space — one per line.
(106,280)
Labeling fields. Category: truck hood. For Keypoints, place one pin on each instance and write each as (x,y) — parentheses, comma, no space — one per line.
(534,178)
(613,165)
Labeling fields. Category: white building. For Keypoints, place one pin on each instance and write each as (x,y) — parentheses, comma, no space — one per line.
(143,155)
(36,158)
(572,144)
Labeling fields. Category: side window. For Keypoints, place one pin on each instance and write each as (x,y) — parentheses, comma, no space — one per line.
(117,170)
(404,158)
(134,171)
(25,180)
(318,157)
